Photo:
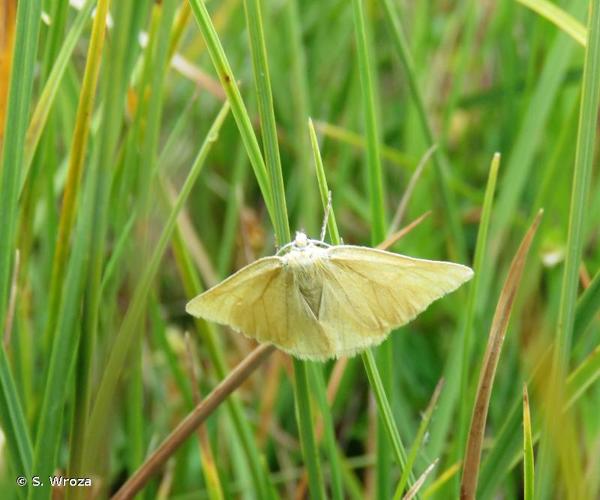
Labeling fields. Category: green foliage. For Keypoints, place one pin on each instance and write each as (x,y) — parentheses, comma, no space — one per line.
(126,191)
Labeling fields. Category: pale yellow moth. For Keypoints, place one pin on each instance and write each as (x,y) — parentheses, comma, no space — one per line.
(316,301)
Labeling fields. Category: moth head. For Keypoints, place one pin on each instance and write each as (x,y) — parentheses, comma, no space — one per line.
(301,240)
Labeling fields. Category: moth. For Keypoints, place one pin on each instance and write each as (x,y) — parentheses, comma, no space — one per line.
(317,301)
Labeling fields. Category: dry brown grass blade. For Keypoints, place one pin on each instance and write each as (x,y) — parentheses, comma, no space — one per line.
(399,215)
(410,494)
(8,13)
(393,238)
(468,486)
(190,423)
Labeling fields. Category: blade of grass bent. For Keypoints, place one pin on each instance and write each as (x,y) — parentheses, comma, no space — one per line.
(498,329)
(19,97)
(127,332)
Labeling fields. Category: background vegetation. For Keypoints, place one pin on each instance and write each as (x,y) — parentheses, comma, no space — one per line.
(128,185)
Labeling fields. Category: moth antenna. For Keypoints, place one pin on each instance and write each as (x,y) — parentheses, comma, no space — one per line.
(326,217)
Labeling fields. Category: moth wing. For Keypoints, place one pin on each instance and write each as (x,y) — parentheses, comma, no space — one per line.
(263,302)
(368,292)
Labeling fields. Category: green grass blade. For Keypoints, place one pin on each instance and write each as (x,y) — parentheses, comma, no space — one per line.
(113,85)
(528,472)
(520,160)
(416,447)
(262,82)
(18,105)
(76,164)
(51,86)
(300,97)
(582,176)
(563,20)
(385,409)
(466,397)
(367,357)
(61,324)
(127,333)
(455,232)
(316,377)
(579,206)
(588,306)
(366,70)
(310,451)
(323,188)
(282,232)
(238,109)
(216,354)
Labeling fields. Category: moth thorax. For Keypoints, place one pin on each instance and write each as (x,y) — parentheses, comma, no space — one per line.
(306,258)
(301,240)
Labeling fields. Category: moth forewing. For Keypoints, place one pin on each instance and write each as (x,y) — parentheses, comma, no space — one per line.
(220,302)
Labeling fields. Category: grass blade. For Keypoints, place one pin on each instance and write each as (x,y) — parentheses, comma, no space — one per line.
(267,119)
(17,114)
(51,86)
(369,363)
(588,306)
(76,164)
(557,16)
(455,233)
(528,474)
(498,329)
(366,71)
(584,158)
(238,109)
(414,449)
(481,249)
(366,62)
(190,424)
(127,333)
